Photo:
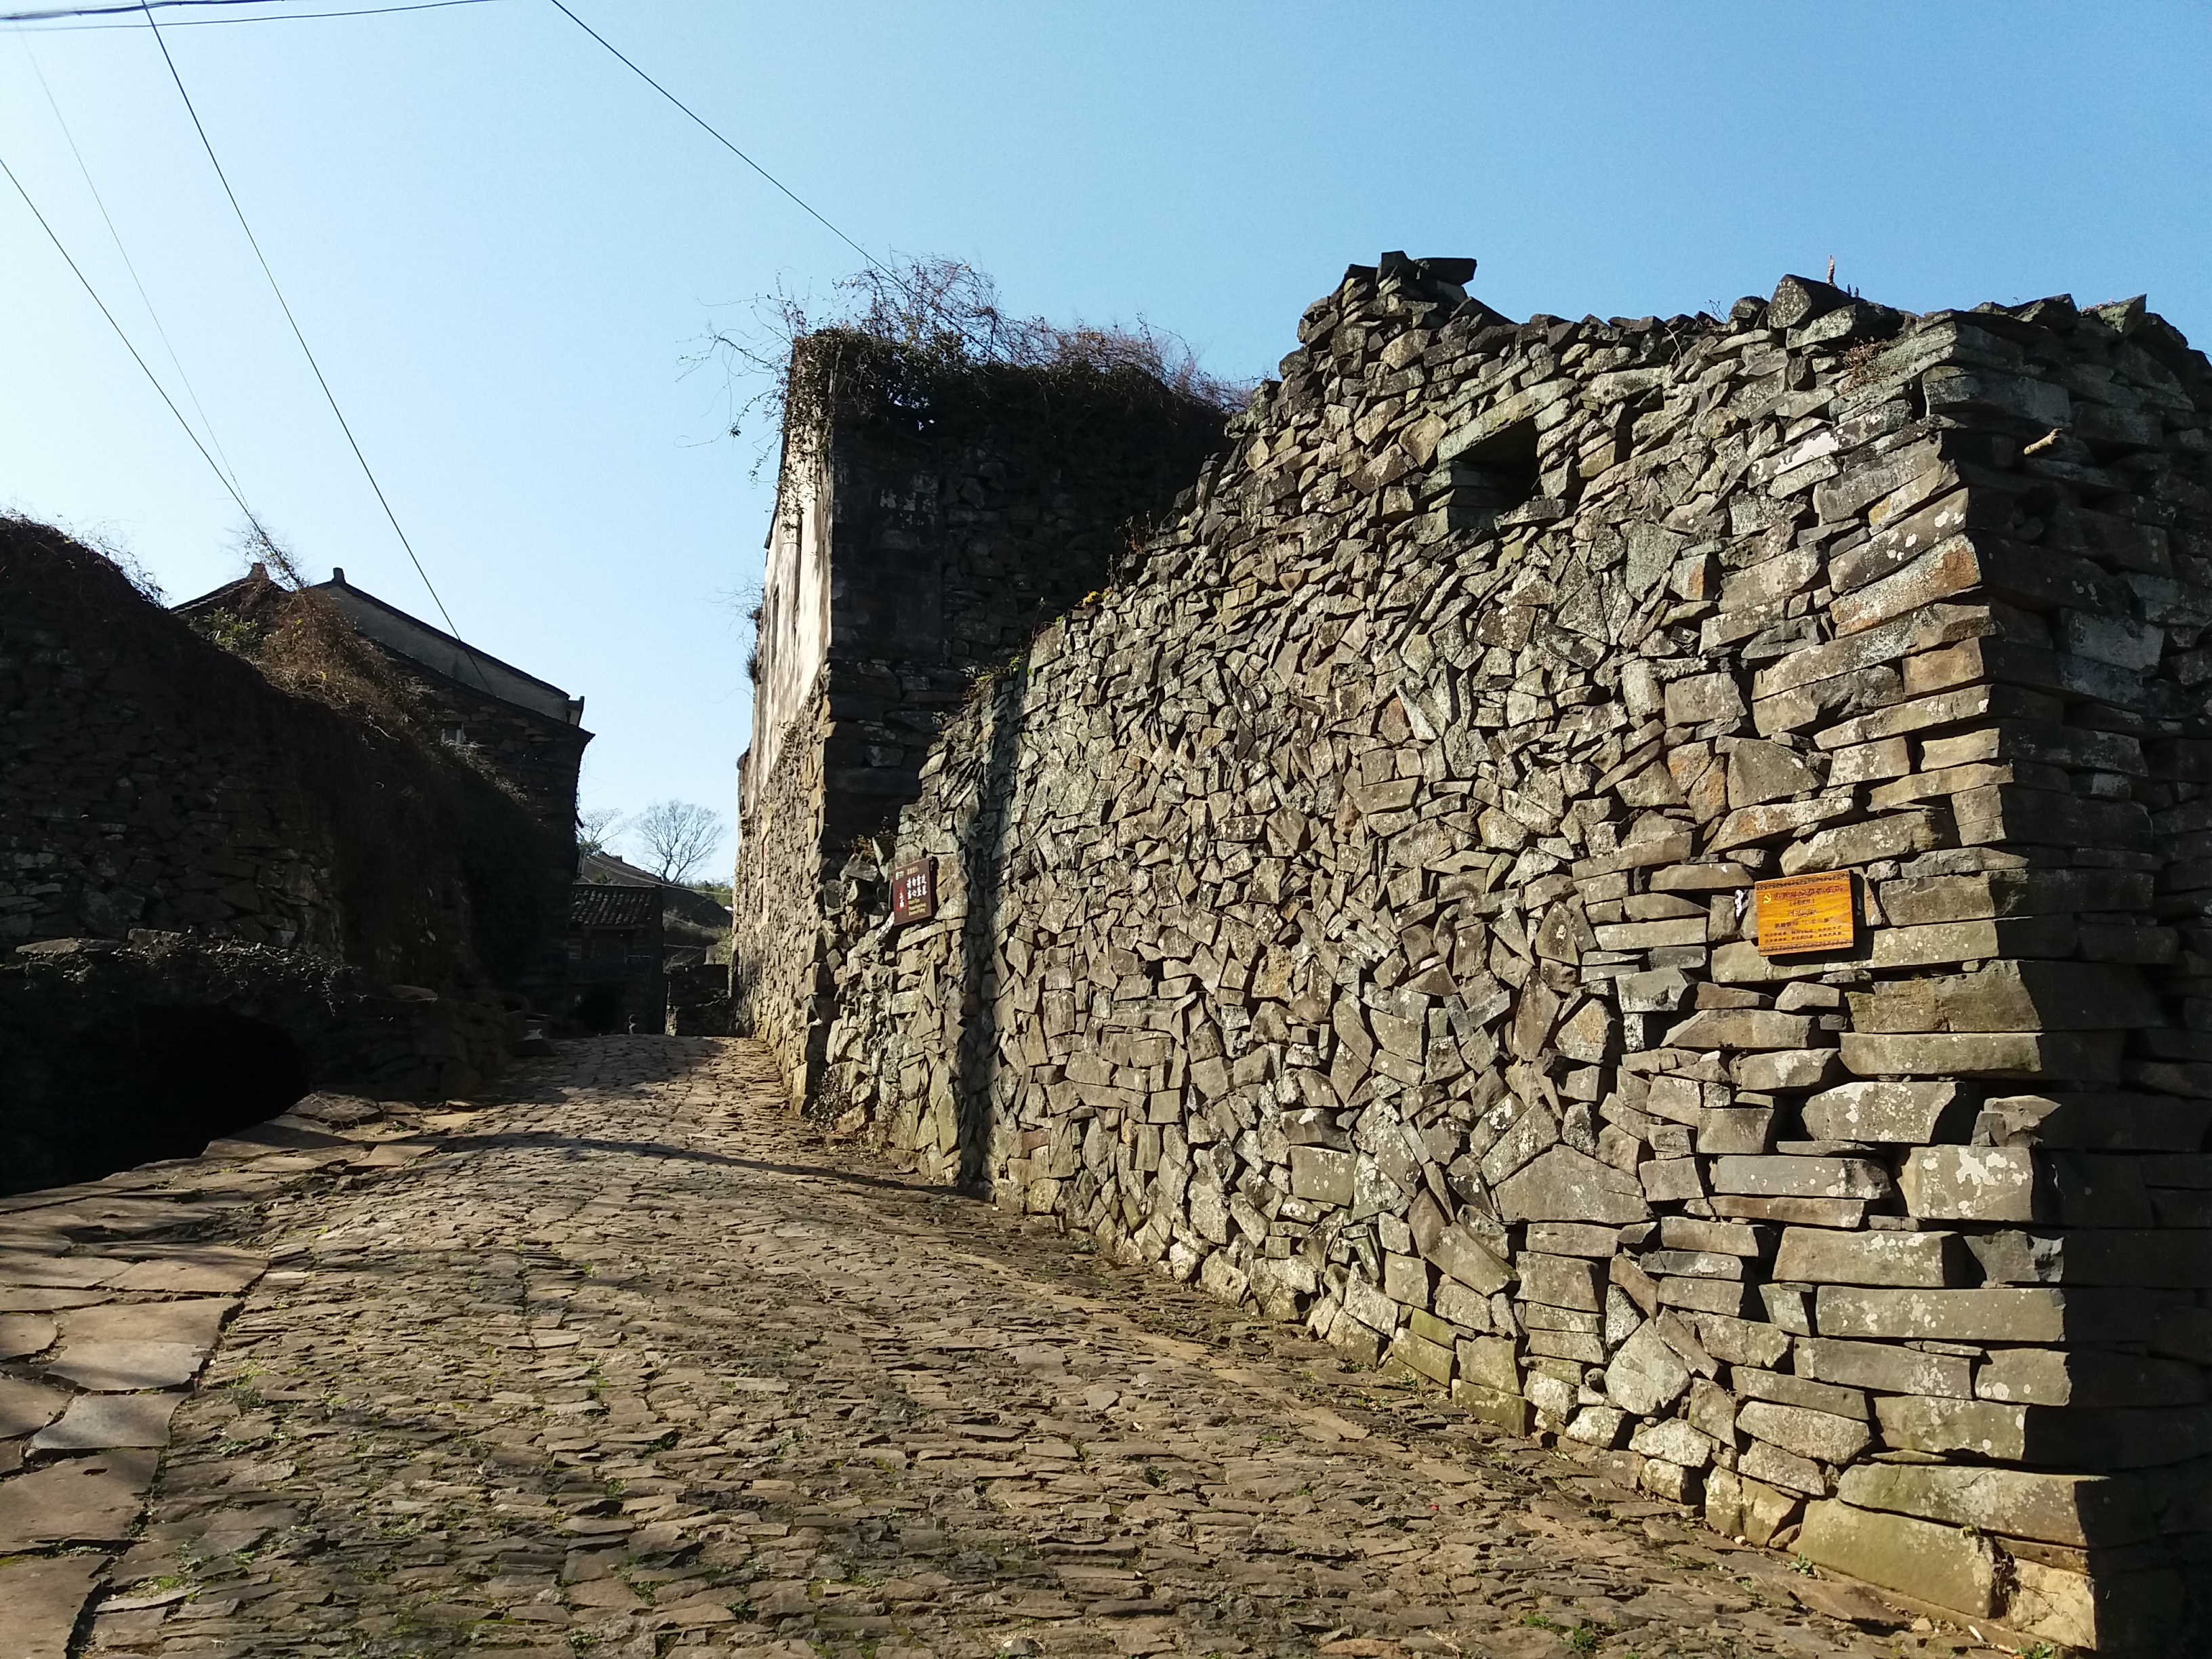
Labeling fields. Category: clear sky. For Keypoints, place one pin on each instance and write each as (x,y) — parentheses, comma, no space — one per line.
(507,250)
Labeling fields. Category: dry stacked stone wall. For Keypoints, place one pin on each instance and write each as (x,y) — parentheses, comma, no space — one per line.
(1352,912)
(155,781)
(215,895)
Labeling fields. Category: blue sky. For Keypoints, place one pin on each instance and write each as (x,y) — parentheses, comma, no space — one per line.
(505,249)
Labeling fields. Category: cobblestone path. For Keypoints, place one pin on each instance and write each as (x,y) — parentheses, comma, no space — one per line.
(633,1364)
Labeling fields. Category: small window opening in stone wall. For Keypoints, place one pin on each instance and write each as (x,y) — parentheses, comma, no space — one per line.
(454,737)
(1499,473)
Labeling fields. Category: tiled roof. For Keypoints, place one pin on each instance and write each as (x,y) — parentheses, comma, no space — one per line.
(594,904)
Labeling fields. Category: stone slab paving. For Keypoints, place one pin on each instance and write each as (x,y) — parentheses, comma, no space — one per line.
(632,1363)
(112,1295)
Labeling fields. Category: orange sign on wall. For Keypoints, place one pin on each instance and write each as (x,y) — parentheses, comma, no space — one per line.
(1799,913)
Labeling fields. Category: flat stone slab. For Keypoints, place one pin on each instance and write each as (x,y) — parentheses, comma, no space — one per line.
(219,1271)
(123,1367)
(196,1321)
(59,1271)
(135,1217)
(27,1406)
(276,1135)
(101,1422)
(23,1298)
(93,1500)
(22,1334)
(44,1598)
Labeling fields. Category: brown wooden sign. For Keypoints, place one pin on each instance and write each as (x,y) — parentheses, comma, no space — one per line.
(1799,913)
(914,892)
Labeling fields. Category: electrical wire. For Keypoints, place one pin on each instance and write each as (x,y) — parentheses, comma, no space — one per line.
(43,27)
(175,361)
(720,140)
(133,6)
(152,379)
(306,350)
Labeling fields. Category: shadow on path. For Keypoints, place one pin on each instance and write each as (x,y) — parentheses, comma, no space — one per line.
(543,1140)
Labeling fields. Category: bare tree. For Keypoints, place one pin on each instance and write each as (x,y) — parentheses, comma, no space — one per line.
(678,836)
(595,827)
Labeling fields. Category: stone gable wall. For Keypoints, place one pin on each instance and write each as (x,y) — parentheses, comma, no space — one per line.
(950,533)
(1351,911)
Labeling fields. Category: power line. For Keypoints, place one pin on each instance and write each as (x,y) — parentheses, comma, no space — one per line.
(65,27)
(135,6)
(720,140)
(151,377)
(175,361)
(306,350)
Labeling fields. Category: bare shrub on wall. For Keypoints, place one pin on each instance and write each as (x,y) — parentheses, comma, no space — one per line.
(895,332)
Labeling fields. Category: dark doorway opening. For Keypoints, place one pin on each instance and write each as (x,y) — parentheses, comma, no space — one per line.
(212,1073)
(158,1083)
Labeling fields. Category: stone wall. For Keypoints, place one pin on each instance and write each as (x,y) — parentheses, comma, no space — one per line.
(930,517)
(1353,911)
(156,781)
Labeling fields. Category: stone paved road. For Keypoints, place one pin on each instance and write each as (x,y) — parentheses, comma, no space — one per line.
(635,1364)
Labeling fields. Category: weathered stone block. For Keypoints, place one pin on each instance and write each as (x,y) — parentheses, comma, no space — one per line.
(1816,1256)
(1822,1436)
(1785,1069)
(1431,1359)
(1764,1460)
(1712,1296)
(1917,900)
(1937,1564)
(1605,1427)
(1701,698)
(1912,1114)
(1747,1130)
(1366,1303)
(1893,836)
(1970,1183)
(2087,1376)
(1785,1389)
(1406,1280)
(1573,1238)
(1457,1304)
(1878,1367)
(1467,1260)
(1489,1361)
(1938,943)
(1800,1177)
(2079,1509)
(1675,1440)
(1504,1407)
(2026,1315)
(1561,1281)
(2080,1056)
(2067,1436)
(2012,996)
(1647,1375)
(1670,1180)
(1743,1027)
(1322,1176)
(1565,1185)
(1683,1232)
